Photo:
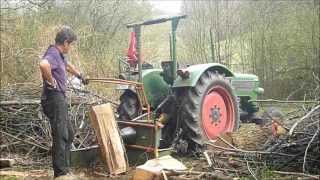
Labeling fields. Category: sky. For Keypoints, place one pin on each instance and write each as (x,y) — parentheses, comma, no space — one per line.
(168,7)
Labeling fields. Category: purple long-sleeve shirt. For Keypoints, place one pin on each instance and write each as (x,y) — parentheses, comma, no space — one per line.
(58,65)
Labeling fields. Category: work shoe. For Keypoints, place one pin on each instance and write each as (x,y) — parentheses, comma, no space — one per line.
(68,176)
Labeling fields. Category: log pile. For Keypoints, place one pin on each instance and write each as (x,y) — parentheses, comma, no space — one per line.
(26,131)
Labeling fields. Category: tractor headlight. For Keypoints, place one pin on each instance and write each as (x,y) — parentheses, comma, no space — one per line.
(259,90)
(184,74)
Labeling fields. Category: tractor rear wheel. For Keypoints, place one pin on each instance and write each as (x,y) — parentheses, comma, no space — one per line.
(208,109)
(129,106)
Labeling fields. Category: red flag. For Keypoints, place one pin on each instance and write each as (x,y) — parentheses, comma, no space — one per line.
(132,51)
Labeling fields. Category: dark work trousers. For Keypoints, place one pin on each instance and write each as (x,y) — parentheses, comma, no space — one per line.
(55,107)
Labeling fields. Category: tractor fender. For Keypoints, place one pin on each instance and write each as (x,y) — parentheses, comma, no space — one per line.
(196,71)
(155,88)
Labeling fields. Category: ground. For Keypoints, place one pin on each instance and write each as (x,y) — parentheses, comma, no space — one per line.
(194,164)
(27,168)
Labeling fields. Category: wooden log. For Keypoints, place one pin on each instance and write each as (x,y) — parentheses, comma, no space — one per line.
(4,163)
(212,175)
(13,174)
(36,102)
(154,169)
(112,150)
(22,102)
(142,174)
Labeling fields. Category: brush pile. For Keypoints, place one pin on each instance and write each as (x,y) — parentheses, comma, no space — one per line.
(25,130)
(287,144)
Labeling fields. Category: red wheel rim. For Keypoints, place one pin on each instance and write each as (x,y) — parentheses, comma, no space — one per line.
(217,112)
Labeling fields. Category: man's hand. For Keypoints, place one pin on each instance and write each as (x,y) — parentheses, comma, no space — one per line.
(46,73)
(52,85)
(83,79)
(74,71)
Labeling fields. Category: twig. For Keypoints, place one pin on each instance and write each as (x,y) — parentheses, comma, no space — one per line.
(28,102)
(24,102)
(227,170)
(227,142)
(306,151)
(253,152)
(101,174)
(297,90)
(96,95)
(250,170)
(164,175)
(302,119)
(297,174)
(281,101)
(139,117)
(207,158)
(179,172)
(40,146)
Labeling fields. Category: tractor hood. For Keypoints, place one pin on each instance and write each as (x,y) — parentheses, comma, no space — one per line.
(246,85)
(242,77)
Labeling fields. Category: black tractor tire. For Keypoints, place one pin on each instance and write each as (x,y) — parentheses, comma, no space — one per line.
(129,107)
(191,102)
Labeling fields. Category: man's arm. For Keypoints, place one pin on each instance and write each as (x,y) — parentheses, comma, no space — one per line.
(71,69)
(45,69)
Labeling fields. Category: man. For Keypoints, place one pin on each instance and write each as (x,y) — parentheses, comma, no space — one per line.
(54,68)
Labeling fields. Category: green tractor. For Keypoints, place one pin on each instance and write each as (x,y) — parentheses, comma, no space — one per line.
(193,104)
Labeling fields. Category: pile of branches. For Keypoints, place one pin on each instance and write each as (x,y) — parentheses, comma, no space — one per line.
(301,141)
(26,131)
(295,151)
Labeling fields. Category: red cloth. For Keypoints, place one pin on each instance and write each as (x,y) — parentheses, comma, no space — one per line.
(132,51)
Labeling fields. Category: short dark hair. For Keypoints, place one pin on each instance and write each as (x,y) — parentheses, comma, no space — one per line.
(65,34)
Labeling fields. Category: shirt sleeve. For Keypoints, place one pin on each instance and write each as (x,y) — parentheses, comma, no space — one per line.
(66,61)
(52,61)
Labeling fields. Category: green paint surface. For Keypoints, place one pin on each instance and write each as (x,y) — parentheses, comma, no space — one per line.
(155,87)
(197,70)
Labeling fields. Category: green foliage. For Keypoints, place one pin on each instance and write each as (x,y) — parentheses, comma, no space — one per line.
(27,31)
(277,40)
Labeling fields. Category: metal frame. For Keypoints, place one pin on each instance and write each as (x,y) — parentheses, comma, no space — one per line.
(144,105)
(138,87)
(174,24)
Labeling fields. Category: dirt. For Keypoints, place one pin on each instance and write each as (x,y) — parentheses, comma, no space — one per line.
(33,172)
(81,174)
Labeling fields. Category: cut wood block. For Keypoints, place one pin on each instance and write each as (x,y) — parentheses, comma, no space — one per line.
(13,173)
(25,175)
(6,163)
(152,169)
(112,150)
(142,174)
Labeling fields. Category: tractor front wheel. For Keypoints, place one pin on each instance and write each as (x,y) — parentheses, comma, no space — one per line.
(208,109)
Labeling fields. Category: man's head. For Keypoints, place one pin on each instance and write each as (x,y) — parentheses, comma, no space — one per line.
(64,38)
